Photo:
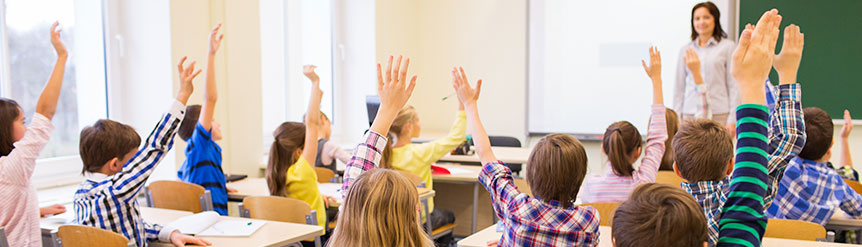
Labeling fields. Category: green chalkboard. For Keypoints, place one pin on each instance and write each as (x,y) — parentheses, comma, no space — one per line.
(831,69)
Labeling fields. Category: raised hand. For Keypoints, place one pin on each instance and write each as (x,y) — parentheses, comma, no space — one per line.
(653,70)
(692,61)
(59,47)
(848,125)
(394,91)
(466,95)
(187,75)
(787,62)
(752,58)
(215,39)
(308,70)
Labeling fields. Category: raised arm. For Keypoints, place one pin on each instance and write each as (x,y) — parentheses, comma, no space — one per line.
(211,91)
(47,104)
(657,133)
(846,159)
(312,116)
(469,96)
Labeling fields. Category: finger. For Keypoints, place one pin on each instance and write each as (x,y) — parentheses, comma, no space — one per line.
(180,64)
(760,28)
(774,31)
(205,241)
(220,37)
(196,73)
(455,80)
(744,43)
(396,68)
(389,70)
(379,78)
(403,76)
(463,75)
(657,54)
(411,85)
(646,68)
(478,88)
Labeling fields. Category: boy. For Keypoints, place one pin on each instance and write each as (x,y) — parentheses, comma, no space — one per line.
(200,131)
(704,150)
(116,173)
(656,208)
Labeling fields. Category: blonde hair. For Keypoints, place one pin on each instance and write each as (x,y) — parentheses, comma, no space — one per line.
(381,209)
(406,115)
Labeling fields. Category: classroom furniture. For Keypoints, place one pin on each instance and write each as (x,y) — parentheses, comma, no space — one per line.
(669,178)
(794,229)
(856,186)
(257,187)
(324,175)
(464,196)
(606,211)
(3,241)
(415,179)
(508,155)
(523,186)
(507,141)
(85,236)
(278,208)
(841,222)
(179,196)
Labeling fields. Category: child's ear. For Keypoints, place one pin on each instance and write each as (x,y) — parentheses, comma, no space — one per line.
(115,165)
(676,170)
(297,153)
(729,167)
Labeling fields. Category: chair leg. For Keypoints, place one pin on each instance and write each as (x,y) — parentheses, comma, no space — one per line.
(427,217)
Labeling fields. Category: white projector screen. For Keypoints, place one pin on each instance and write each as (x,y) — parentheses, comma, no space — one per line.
(585,60)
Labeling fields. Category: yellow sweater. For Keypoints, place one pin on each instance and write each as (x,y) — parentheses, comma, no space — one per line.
(417,158)
(302,185)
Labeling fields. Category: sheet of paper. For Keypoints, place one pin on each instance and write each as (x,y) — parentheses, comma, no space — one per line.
(233,228)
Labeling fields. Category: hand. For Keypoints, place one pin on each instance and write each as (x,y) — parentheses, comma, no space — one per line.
(59,47)
(180,240)
(231,190)
(848,125)
(654,68)
(308,70)
(731,128)
(752,58)
(692,61)
(393,88)
(787,62)
(466,94)
(52,210)
(187,75)
(215,39)
(492,243)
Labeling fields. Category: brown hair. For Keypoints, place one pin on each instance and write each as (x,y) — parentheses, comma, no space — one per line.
(819,130)
(380,210)
(405,115)
(702,149)
(558,165)
(105,140)
(289,137)
(672,126)
(717,32)
(9,111)
(619,141)
(190,122)
(659,215)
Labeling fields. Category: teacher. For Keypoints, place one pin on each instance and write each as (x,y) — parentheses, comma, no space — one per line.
(704,86)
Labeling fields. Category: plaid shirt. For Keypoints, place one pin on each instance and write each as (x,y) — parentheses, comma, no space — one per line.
(109,202)
(366,156)
(786,139)
(812,191)
(533,222)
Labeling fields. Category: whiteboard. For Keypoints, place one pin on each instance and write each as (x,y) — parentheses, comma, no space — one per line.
(585,60)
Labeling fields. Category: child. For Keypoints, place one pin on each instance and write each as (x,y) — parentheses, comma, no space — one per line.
(622,144)
(380,205)
(660,215)
(200,131)
(703,149)
(557,167)
(19,149)
(116,171)
(289,172)
(328,151)
(846,170)
(672,126)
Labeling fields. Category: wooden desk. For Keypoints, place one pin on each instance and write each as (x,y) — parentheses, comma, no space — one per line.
(509,155)
(258,187)
(453,187)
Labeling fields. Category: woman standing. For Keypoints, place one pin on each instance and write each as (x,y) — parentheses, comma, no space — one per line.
(704,85)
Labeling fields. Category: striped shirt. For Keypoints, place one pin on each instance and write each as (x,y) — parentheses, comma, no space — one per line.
(203,167)
(812,191)
(110,202)
(19,209)
(743,221)
(611,187)
(786,139)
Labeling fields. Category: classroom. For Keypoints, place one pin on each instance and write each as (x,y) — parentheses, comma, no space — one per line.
(471,123)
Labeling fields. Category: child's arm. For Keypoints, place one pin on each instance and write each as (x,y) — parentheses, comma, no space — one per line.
(846,159)
(47,104)
(743,221)
(657,133)
(692,62)
(312,116)
(211,92)
(394,92)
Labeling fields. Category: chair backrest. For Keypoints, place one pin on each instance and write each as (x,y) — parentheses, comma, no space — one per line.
(794,229)
(178,196)
(504,141)
(276,208)
(669,178)
(523,186)
(415,179)
(324,175)
(606,211)
(856,186)
(85,236)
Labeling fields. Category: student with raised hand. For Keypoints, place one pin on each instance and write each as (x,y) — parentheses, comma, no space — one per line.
(846,170)
(117,167)
(203,165)
(380,205)
(622,144)
(19,149)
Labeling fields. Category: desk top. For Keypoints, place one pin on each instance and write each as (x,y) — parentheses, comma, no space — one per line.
(460,173)
(509,155)
(258,187)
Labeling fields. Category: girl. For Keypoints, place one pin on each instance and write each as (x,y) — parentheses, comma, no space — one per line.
(19,149)
(672,126)
(622,144)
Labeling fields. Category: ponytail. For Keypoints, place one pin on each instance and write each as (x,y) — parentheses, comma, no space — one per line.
(405,116)
(619,141)
(289,137)
(386,160)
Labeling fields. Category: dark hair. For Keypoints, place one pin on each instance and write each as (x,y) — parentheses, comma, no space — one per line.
(558,165)
(661,215)
(717,32)
(289,136)
(105,140)
(619,141)
(190,122)
(9,111)
(818,129)
(702,149)
(672,127)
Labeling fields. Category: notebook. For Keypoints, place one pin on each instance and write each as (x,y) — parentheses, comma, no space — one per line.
(209,223)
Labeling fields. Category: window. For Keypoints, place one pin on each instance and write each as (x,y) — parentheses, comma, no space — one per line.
(28,59)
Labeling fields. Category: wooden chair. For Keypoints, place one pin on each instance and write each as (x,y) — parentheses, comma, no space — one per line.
(179,196)
(606,211)
(276,208)
(856,186)
(85,236)
(669,178)
(794,229)
(324,175)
